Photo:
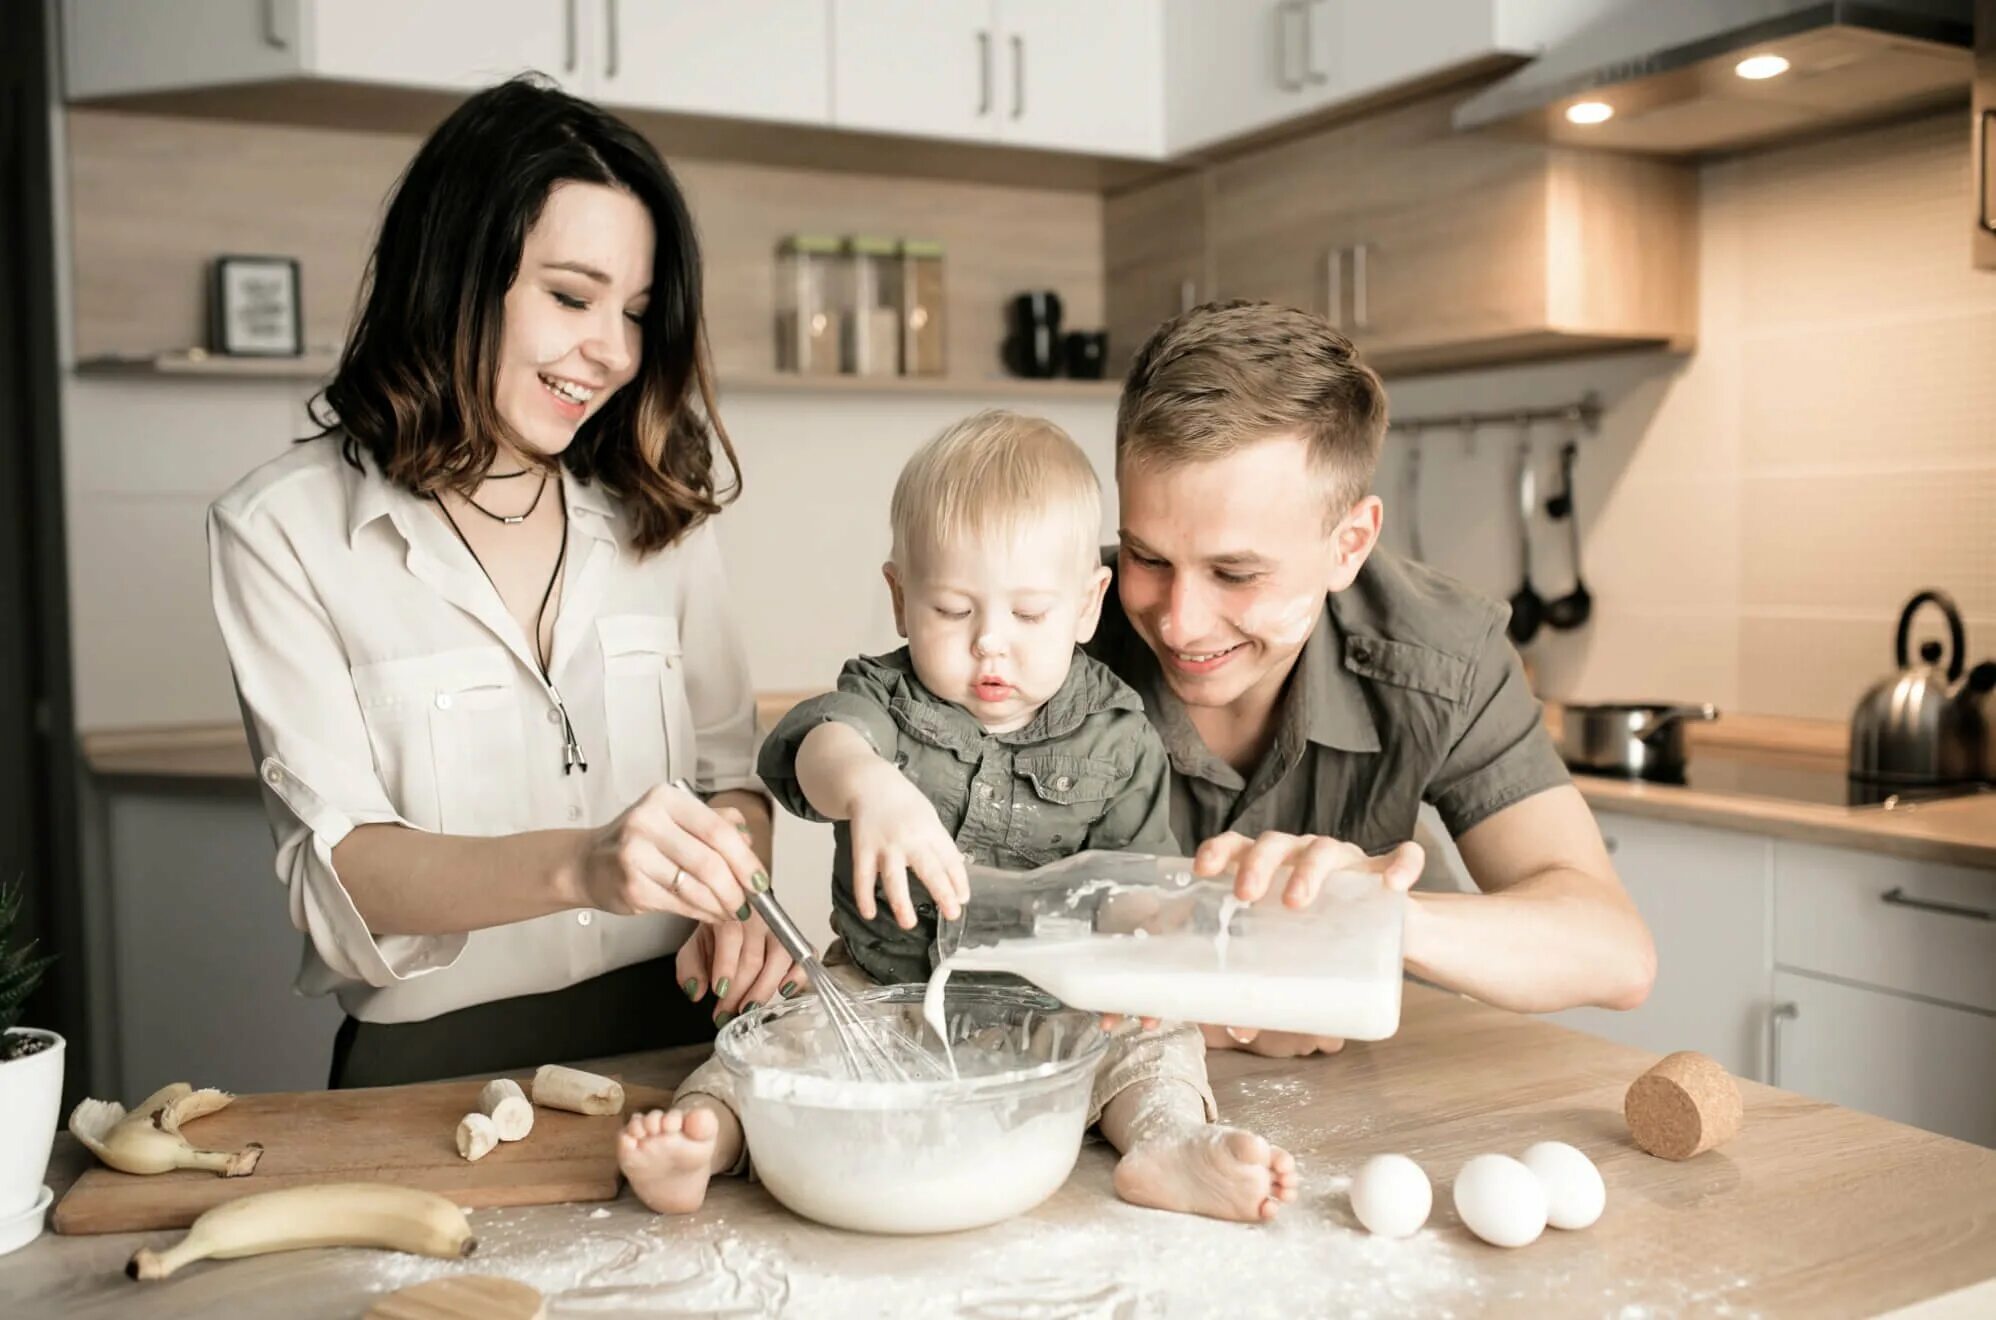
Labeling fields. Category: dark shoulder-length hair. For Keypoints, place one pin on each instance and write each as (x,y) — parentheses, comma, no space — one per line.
(415,385)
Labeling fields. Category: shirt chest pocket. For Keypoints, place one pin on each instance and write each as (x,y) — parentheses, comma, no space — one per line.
(649,721)
(448,738)
(1058,799)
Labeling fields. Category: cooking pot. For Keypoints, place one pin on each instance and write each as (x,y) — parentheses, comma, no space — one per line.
(1643,739)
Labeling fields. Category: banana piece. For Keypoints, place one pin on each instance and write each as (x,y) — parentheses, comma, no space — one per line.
(507,1106)
(476,1136)
(577,1091)
(148,1140)
(324,1215)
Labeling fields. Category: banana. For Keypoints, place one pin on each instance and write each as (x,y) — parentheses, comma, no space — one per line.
(148,1140)
(556,1087)
(323,1215)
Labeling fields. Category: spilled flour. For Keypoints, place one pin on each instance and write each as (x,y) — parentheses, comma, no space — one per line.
(1080,1259)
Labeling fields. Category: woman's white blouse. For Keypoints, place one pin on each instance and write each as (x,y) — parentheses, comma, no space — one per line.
(382,679)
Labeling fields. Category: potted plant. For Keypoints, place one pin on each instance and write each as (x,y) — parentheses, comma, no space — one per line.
(30,1082)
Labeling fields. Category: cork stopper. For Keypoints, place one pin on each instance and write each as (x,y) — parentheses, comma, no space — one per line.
(1686,1105)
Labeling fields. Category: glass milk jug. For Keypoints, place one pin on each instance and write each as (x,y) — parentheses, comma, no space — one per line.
(1129,933)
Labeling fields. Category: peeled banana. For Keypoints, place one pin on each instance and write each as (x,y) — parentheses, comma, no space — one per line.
(148,1140)
(579,1092)
(326,1215)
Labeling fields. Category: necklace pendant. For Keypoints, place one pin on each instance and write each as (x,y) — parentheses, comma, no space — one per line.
(515,520)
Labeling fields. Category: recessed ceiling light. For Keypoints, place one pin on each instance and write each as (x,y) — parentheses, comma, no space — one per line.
(1757,67)
(1589,112)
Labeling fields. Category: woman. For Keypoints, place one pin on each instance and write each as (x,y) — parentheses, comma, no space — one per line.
(480,630)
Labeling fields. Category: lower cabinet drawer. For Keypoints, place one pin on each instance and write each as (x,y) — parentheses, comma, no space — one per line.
(1915,1062)
(1916,928)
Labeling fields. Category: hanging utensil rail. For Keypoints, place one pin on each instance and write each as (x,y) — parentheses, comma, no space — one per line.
(1584,412)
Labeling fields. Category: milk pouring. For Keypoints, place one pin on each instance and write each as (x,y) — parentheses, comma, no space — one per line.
(1139,935)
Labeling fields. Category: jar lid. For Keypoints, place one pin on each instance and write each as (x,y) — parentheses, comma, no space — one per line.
(867,245)
(812,244)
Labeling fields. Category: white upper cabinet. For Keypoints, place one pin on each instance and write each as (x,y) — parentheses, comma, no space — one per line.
(1050,74)
(924,67)
(746,59)
(1234,67)
(113,48)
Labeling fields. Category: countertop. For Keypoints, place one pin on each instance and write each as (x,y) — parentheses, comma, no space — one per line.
(1811,1210)
(1961,831)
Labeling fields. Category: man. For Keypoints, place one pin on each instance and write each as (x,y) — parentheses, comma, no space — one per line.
(1313,690)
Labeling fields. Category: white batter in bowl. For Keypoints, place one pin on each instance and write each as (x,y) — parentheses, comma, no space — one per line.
(916,1157)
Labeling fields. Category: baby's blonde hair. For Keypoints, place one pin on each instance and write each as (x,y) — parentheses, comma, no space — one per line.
(990,476)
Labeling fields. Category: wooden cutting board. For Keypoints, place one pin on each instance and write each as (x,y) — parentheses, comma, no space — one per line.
(395,1134)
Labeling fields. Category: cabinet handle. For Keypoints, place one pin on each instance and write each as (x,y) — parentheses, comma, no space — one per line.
(1361,318)
(1018,76)
(1780,1013)
(1310,69)
(1988,221)
(1188,295)
(568,37)
(610,40)
(1334,288)
(271,36)
(1284,13)
(983,74)
(1898,897)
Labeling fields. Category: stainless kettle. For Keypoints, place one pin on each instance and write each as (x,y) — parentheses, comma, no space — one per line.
(1923,725)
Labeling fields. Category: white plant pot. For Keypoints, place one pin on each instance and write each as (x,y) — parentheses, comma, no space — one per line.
(30,1097)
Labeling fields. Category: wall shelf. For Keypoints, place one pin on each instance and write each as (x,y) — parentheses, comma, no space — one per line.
(316,368)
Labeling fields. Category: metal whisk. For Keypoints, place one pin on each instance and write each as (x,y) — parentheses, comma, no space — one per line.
(873,1049)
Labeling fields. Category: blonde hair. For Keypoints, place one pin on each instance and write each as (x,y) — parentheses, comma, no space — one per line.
(993,475)
(1226,375)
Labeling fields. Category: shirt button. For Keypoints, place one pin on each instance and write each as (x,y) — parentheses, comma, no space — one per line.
(575,813)
(584,918)
(554,716)
(443,701)
(1063,783)
(274,775)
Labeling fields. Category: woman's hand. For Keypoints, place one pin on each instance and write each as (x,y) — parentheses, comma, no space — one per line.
(741,963)
(895,830)
(1313,858)
(670,852)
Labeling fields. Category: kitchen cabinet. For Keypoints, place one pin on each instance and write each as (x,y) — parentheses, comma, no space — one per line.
(1983,166)
(1706,896)
(113,48)
(1236,67)
(1032,73)
(1927,1064)
(1154,260)
(1434,249)
(747,59)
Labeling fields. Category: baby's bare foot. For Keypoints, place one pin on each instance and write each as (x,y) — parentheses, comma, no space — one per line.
(1217,1171)
(669,1156)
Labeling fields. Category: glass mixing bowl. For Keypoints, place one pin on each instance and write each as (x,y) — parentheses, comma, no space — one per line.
(891,1156)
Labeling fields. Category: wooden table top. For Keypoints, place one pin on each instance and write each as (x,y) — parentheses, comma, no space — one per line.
(1812,1210)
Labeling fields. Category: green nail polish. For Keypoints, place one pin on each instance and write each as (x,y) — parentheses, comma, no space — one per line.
(721,988)
(692,987)
(748,1007)
(743,914)
(723,1019)
(760,882)
(789,989)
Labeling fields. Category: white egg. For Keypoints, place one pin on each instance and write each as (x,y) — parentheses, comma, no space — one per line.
(1575,1194)
(1501,1201)
(1391,1197)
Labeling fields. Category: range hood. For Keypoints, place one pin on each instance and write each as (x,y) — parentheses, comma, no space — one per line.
(1666,76)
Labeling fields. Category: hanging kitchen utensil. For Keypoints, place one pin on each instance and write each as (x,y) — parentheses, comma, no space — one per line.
(1571,610)
(1527,606)
(1414,547)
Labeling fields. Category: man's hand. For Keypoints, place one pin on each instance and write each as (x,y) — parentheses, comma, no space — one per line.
(1269,1044)
(1312,859)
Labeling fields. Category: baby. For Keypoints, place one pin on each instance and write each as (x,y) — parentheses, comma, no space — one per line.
(990,738)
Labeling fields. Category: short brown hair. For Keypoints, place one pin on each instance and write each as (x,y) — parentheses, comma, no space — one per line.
(1230,374)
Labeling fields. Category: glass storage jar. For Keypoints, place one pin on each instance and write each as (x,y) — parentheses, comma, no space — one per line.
(922,322)
(873,316)
(811,290)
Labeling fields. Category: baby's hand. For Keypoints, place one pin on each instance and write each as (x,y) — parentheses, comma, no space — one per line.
(895,830)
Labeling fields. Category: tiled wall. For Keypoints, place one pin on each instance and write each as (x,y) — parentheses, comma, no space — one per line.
(1755,515)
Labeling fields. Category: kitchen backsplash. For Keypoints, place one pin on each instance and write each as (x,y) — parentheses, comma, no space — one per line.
(1754,515)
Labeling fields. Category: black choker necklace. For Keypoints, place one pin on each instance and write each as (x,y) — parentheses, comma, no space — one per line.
(512,520)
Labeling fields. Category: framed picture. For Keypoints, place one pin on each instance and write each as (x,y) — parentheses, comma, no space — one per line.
(254,308)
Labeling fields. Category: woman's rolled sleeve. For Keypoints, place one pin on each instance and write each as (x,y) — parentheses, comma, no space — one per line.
(311,748)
